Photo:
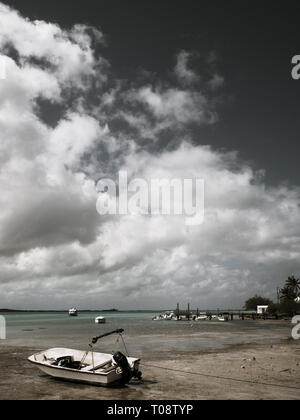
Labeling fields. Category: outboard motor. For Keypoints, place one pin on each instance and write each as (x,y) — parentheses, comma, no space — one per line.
(123,365)
(121,361)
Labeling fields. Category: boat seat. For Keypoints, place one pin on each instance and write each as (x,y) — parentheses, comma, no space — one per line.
(99,366)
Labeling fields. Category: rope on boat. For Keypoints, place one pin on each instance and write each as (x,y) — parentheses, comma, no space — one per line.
(221,377)
(116,344)
(124,344)
(84,357)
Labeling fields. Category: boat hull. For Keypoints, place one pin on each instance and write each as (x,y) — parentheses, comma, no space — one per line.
(86,378)
(100,321)
(44,361)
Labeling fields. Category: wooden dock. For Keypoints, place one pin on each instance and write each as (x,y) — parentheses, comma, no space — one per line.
(231,314)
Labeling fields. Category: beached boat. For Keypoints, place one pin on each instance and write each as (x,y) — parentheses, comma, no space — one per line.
(88,367)
(100,320)
(73,312)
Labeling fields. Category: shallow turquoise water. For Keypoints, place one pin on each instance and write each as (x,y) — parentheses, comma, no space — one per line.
(47,330)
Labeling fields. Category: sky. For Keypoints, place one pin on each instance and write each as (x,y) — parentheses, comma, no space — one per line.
(179,89)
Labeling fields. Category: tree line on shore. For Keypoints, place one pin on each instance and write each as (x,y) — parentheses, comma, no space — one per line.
(288,300)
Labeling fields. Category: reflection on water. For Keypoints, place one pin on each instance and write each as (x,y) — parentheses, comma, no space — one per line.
(141,333)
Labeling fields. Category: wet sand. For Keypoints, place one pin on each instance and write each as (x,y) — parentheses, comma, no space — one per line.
(268,372)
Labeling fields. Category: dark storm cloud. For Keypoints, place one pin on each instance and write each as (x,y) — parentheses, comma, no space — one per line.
(154,120)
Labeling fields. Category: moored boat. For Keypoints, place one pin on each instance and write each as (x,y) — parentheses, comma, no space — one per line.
(73,312)
(202,317)
(177,318)
(158,318)
(223,318)
(100,320)
(167,316)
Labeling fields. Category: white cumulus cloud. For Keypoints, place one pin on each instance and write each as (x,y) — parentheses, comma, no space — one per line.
(54,246)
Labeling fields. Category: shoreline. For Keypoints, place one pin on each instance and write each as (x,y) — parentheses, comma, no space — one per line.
(239,371)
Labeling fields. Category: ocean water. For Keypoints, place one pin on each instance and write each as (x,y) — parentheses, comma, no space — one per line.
(49,330)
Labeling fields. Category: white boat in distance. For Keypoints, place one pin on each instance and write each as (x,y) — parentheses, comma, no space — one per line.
(73,312)
(167,316)
(177,318)
(202,317)
(100,320)
(88,367)
(223,318)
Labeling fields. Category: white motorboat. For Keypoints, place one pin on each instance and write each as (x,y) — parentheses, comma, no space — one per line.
(167,316)
(73,312)
(223,318)
(88,367)
(100,320)
(158,318)
(202,317)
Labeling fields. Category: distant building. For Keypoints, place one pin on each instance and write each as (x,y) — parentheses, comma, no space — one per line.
(262,309)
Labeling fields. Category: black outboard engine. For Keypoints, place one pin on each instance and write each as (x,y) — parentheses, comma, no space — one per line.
(123,364)
(121,361)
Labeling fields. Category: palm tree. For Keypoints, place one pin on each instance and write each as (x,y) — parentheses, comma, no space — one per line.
(291,289)
(287,294)
(294,284)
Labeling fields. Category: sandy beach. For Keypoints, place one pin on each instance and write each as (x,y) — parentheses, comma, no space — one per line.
(256,372)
